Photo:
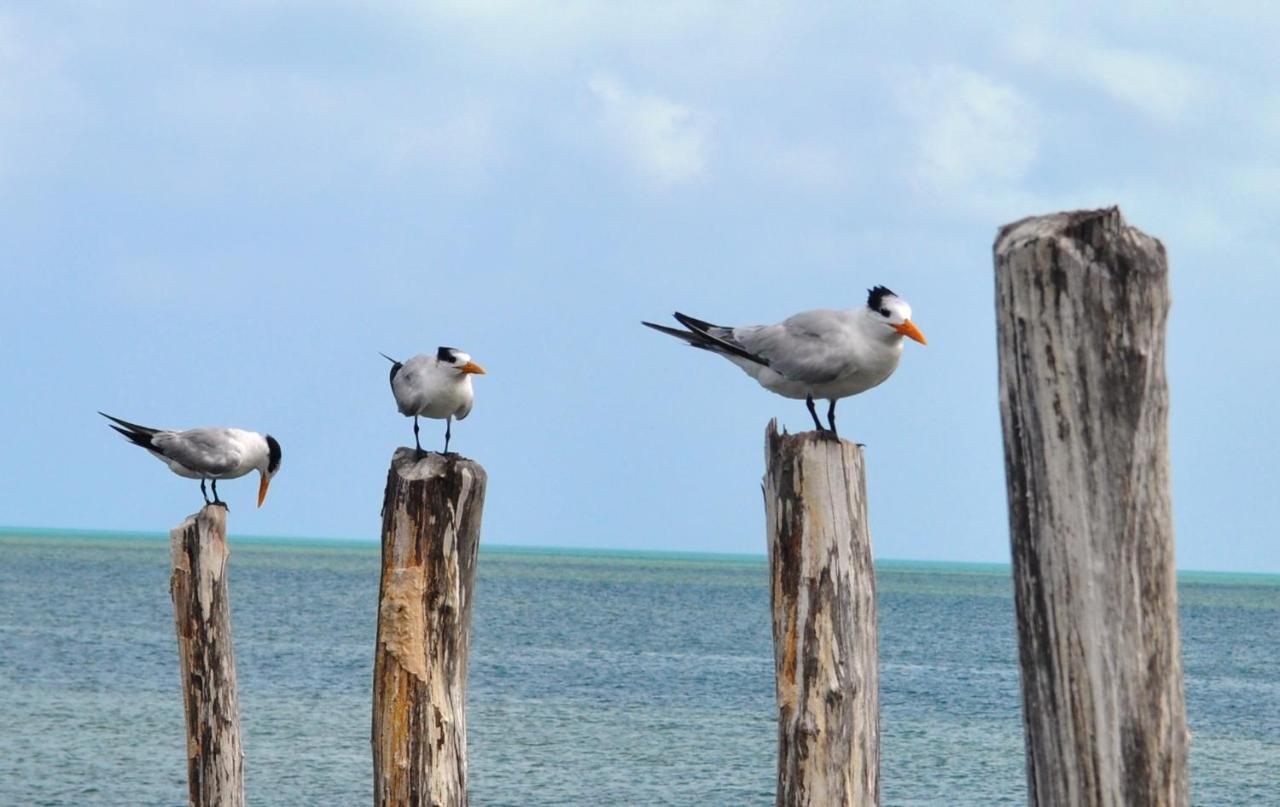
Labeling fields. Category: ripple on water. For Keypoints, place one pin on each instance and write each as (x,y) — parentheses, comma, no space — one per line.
(595,679)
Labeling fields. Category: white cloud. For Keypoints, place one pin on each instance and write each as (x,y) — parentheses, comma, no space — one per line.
(974,136)
(524,35)
(1156,85)
(301,131)
(664,141)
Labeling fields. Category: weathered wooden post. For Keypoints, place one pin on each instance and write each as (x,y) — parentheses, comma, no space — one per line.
(430,534)
(1081,303)
(202,617)
(823,593)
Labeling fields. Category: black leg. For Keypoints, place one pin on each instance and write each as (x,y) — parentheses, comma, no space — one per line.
(808,401)
(831,417)
(203,493)
(216,500)
(416,444)
(448,431)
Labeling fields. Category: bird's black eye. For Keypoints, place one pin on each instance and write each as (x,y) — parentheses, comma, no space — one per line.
(884,312)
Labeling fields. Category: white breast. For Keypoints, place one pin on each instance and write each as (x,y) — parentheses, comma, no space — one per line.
(424,388)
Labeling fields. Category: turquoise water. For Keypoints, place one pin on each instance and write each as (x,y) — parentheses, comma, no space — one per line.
(596,678)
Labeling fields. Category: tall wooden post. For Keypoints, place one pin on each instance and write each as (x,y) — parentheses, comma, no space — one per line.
(1081,302)
(823,594)
(430,534)
(202,617)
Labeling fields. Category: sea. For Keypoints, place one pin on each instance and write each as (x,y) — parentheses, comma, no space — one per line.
(597,678)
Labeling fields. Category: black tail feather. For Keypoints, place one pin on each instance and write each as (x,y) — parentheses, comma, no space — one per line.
(137,438)
(693,324)
(689,337)
(133,427)
(699,335)
(395,365)
(138,435)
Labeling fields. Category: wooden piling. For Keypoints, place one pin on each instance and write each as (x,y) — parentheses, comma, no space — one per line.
(430,534)
(822,590)
(1081,301)
(202,618)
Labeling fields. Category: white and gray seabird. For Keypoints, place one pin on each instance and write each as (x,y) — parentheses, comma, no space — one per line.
(437,387)
(815,354)
(208,453)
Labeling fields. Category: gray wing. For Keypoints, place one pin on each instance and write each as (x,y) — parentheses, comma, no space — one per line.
(408,383)
(209,451)
(811,347)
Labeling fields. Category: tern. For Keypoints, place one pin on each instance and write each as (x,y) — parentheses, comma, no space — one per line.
(208,453)
(437,387)
(815,354)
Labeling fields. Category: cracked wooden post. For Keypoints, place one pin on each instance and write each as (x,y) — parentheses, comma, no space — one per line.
(823,594)
(430,533)
(1081,304)
(202,617)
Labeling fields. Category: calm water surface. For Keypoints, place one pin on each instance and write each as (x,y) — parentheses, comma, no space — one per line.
(595,678)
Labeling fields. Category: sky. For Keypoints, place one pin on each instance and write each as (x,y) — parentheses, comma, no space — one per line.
(218,214)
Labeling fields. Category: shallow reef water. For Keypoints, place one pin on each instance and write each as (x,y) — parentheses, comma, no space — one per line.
(596,678)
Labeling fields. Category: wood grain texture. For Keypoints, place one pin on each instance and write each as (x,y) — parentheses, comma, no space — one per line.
(431,515)
(824,621)
(202,618)
(1082,301)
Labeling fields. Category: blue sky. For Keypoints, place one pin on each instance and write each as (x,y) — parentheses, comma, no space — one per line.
(218,214)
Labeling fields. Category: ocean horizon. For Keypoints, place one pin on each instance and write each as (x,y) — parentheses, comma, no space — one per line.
(596,676)
(321,542)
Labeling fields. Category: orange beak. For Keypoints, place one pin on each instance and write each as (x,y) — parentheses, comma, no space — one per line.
(472,367)
(909,329)
(262,488)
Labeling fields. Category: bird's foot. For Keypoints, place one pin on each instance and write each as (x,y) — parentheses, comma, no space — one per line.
(218,503)
(829,434)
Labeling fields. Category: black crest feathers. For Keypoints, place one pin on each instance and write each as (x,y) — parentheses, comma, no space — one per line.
(449,354)
(273,454)
(876,295)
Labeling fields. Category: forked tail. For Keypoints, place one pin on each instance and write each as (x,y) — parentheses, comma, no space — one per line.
(138,435)
(699,335)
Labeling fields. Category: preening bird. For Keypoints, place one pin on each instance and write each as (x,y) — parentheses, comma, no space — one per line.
(208,453)
(437,387)
(815,354)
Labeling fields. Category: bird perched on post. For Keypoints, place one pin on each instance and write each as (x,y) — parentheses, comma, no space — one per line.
(208,453)
(436,387)
(815,354)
